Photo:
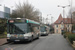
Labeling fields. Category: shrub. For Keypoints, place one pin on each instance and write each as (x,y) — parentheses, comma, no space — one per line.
(63,32)
(3,36)
(71,37)
(2,29)
(5,33)
(65,35)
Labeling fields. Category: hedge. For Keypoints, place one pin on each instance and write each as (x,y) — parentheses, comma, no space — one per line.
(63,32)
(71,37)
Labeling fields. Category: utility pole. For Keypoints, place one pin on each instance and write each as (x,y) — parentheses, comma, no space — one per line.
(71,15)
(51,19)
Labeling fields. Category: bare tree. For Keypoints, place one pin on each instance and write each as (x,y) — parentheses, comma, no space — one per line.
(26,10)
(71,12)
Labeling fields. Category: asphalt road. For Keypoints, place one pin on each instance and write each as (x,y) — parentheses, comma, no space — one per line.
(50,42)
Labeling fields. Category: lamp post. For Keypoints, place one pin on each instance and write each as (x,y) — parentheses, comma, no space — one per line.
(51,18)
(12,9)
(48,15)
(63,8)
(46,20)
(64,13)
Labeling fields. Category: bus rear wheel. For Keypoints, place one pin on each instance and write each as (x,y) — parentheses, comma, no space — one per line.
(38,37)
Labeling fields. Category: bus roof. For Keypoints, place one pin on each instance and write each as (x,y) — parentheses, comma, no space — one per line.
(31,21)
(27,20)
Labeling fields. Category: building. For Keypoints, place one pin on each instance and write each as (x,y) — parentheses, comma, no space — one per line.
(4,12)
(62,24)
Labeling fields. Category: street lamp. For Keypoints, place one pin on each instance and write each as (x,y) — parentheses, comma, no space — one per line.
(46,20)
(63,11)
(12,9)
(51,17)
(63,8)
(47,17)
(0,5)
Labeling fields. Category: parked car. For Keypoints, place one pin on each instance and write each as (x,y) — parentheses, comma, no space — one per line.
(73,31)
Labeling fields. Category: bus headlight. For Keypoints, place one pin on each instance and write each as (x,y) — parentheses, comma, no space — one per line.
(26,37)
(8,35)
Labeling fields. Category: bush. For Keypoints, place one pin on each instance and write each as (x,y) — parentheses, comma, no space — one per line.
(2,29)
(65,35)
(63,32)
(5,33)
(71,37)
(3,36)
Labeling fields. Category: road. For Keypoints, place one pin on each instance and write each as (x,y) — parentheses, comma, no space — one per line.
(50,42)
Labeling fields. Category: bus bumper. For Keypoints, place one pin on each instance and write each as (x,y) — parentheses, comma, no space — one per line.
(17,40)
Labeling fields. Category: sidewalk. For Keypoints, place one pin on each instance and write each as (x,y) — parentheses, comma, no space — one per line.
(2,41)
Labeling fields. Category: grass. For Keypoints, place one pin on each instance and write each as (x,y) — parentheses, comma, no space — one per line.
(3,35)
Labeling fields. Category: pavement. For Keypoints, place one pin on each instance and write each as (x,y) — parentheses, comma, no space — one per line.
(3,41)
(50,42)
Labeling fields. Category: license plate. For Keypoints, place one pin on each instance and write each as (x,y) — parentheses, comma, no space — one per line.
(17,40)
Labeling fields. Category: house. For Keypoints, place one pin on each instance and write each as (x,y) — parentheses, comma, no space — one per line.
(62,24)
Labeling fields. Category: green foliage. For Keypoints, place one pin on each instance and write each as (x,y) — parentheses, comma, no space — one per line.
(3,36)
(63,32)
(2,29)
(71,37)
(65,35)
(51,29)
(73,27)
(26,10)
(5,33)
(2,25)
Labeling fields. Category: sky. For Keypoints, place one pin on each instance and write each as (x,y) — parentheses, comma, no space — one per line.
(45,7)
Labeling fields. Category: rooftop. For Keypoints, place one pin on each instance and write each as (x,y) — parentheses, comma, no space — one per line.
(64,20)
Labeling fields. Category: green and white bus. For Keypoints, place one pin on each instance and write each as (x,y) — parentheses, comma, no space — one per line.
(44,30)
(20,29)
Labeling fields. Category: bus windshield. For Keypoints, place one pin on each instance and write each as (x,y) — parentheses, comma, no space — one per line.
(17,28)
(42,29)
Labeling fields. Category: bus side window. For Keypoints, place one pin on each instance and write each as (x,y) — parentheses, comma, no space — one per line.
(30,28)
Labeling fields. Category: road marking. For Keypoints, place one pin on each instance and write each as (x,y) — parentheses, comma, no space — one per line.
(8,49)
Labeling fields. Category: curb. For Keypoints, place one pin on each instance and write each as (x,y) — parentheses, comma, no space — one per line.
(4,43)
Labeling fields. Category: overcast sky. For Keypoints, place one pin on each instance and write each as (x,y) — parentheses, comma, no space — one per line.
(45,6)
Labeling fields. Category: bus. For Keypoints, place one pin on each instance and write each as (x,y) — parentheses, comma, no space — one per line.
(44,30)
(20,29)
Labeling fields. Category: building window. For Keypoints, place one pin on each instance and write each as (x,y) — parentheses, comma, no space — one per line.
(67,25)
(57,31)
(62,26)
(57,26)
